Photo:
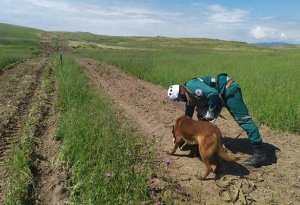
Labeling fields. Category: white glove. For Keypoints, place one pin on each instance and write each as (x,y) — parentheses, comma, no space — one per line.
(209,116)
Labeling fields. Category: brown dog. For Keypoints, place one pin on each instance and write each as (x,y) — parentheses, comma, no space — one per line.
(206,135)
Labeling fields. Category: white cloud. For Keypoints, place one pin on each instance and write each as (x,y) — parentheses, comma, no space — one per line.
(283,36)
(260,32)
(53,5)
(98,11)
(223,15)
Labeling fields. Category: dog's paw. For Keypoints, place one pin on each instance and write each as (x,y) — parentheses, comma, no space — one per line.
(200,176)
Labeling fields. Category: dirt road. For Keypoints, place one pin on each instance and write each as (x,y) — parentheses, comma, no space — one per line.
(146,104)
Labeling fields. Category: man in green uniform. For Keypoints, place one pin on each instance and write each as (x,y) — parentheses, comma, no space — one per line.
(208,95)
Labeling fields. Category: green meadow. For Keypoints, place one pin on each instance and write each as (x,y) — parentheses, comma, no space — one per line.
(268,77)
(106,160)
(17,43)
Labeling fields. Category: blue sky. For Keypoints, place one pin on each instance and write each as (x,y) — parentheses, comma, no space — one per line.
(238,20)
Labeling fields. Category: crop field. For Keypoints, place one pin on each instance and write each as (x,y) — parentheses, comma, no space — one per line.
(91,124)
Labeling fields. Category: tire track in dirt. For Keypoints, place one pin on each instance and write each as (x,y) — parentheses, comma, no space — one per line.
(50,177)
(11,128)
(146,104)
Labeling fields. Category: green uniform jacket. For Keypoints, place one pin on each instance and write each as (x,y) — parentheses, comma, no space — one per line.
(206,95)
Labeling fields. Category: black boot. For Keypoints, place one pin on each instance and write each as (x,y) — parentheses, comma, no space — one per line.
(258,158)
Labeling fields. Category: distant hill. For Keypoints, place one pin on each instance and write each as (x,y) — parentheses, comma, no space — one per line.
(274,44)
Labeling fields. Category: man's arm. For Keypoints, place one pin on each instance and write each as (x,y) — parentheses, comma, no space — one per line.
(189,110)
(211,95)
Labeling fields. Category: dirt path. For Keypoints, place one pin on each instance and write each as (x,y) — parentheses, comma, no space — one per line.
(20,87)
(146,104)
(49,175)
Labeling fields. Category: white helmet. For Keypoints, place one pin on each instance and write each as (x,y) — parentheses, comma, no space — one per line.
(173,92)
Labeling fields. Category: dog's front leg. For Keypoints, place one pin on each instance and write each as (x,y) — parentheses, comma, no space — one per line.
(176,145)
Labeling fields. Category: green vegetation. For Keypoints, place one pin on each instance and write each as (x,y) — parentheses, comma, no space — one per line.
(268,76)
(20,180)
(105,159)
(20,186)
(17,43)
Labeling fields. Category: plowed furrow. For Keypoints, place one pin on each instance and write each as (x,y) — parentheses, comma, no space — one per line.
(49,179)
(11,130)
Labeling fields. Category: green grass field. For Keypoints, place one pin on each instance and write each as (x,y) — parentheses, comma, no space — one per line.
(105,161)
(17,43)
(268,76)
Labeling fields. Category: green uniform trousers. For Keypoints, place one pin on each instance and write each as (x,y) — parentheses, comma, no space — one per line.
(238,109)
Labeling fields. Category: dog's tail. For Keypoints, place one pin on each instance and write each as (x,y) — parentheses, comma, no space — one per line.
(224,156)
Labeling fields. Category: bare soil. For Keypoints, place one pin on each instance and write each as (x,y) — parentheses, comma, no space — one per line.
(20,87)
(145,103)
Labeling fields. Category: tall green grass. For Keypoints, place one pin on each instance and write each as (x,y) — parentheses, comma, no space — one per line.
(17,43)
(105,159)
(268,77)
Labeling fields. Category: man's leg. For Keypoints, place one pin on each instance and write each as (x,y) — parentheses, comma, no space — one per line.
(238,109)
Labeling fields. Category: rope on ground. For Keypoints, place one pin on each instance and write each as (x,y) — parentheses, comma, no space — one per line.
(235,190)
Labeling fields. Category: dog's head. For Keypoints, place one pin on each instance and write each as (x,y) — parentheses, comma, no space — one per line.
(174,137)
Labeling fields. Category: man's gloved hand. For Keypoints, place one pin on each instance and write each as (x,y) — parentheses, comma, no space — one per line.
(209,115)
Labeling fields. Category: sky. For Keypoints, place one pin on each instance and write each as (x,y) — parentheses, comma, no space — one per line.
(250,21)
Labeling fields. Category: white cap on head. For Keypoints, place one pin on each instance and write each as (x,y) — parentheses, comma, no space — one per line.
(173,92)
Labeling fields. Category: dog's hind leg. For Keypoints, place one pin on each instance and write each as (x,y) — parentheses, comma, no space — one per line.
(218,165)
(206,161)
